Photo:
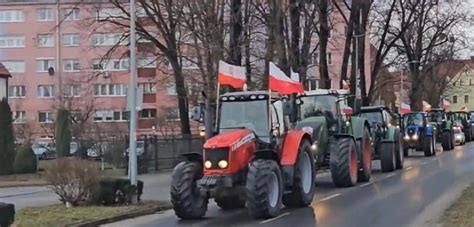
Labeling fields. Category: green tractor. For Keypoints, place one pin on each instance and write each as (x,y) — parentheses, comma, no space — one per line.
(340,142)
(387,139)
(462,120)
(443,125)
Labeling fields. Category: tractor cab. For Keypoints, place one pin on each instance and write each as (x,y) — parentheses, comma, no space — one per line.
(440,121)
(461,119)
(418,135)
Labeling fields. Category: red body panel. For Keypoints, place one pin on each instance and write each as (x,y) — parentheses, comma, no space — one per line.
(291,144)
(241,144)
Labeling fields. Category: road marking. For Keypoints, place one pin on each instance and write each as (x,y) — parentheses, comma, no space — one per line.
(423,163)
(275,218)
(329,197)
(409,167)
(366,184)
(390,175)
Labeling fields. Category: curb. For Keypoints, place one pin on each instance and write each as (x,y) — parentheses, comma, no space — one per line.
(131,214)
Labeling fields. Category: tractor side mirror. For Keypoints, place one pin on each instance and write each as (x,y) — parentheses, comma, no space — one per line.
(197,113)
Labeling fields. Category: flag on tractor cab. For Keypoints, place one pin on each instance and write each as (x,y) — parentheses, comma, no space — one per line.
(281,83)
(231,75)
(446,104)
(404,108)
(426,106)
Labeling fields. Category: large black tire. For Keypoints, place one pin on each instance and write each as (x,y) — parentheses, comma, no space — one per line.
(399,152)
(302,192)
(446,140)
(262,202)
(365,157)
(230,202)
(343,163)
(468,134)
(388,157)
(428,146)
(185,196)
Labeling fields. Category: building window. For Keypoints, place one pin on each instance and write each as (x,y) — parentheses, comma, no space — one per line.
(461,82)
(44,15)
(110,90)
(42,65)
(312,84)
(108,39)
(455,99)
(187,63)
(329,58)
(329,32)
(70,40)
(173,115)
(471,82)
(14,66)
(70,14)
(45,117)
(11,16)
(45,40)
(19,117)
(315,58)
(45,91)
(110,115)
(171,89)
(16,91)
(71,90)
(71,65)
(112,64)
(466,98)
(120,64)
(147,113)
(12,41)
(149,62)
(148,87)
(109,13)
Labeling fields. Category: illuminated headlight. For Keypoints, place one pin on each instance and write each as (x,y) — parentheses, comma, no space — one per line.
(348,123)
(223,164)
(314,146)
(202,133)
(389,125)
(434,127)
(415,137)
(398,126)
(207,164)
(406,137)
(458,137)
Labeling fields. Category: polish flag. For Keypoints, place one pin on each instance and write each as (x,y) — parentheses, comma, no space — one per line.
(446,104)
(281,83)
(345,84)
(231,75)
(426,106)
(405,108)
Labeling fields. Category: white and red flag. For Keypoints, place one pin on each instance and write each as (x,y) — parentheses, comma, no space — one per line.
(446,104)
(426,106)
(345,85)
(231,75)
(281,83)
(405,108)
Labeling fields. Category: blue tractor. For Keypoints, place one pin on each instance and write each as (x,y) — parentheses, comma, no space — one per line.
(418,134)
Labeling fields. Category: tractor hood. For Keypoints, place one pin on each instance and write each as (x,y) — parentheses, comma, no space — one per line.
(230,138)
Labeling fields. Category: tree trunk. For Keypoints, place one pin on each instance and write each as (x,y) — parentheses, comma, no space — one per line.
(248,65)
(347,49)
(323,40)
(295,35)
(236,33)
(181,95)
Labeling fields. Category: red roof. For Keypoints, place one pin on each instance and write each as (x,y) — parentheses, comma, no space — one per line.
(4,72)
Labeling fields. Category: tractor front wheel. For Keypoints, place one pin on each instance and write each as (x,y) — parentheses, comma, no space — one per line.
(343,163)
(185,196)
(446,140)
(230,202)
(365,169)
(264,189)
(428,146)
(302,192)
(388,157)
(399,152)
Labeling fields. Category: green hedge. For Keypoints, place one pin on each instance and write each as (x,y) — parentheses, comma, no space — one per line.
(25,160)
(7,141)
(7,214)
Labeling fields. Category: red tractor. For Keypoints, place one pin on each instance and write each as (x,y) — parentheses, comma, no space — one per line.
(254,159)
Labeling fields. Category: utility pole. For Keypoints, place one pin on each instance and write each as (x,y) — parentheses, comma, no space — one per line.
(133,100)
(358,95)
(58,52)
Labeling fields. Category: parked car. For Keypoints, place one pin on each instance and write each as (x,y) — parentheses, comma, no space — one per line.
(140,148)
(44,149)
(73,148)
(459,137)
(97,150)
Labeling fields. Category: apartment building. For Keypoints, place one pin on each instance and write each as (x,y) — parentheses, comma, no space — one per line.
(54,52)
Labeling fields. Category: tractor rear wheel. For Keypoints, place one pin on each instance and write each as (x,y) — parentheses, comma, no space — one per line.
(264,188)
(230,202)
(302,192)
(365,169)
(446,140)
(399,152)
(343,163)
(185,196)
(428,146)
(388,157)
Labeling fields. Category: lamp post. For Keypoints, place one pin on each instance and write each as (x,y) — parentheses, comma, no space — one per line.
(358,95)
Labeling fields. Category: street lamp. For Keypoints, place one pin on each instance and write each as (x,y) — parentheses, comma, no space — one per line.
(4,75)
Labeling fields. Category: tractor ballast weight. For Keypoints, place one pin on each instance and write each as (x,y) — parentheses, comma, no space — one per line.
(418,134)
(386,137)
(254,160)
(341,142)
(443,125)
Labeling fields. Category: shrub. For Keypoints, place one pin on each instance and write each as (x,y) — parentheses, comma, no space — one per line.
(25,160)
(74,180)
(115,191)
(63,133)
(7,141)
(7,214)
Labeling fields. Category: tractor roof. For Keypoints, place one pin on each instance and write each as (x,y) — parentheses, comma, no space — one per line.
(435,110)
(251,93)
(373,108)
(327,92)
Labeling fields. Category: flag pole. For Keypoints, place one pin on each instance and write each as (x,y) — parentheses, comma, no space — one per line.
(217,104)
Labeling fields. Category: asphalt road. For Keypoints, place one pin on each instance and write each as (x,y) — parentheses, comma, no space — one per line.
(400,198)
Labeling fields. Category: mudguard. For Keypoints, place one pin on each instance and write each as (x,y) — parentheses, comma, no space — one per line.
(357,126)
(318,126)
(429,131)
(291,144)
(390,134)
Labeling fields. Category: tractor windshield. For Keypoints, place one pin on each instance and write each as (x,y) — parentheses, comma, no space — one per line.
(245,114)
(413,119)
(460,117)
(436,116)
(373,117)
(318,105)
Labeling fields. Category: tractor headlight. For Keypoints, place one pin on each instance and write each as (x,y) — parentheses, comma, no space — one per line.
(406,137)
(348,123)
(208,164)
(314,146)
(415,137)
(223,164)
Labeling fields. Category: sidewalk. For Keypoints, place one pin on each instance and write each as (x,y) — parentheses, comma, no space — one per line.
(156,185)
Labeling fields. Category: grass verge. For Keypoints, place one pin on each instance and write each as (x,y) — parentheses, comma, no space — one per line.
(461,213)
(58,215)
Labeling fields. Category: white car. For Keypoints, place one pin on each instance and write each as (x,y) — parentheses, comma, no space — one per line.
(459,137)
(97,150)
(140,148)
(43,149)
